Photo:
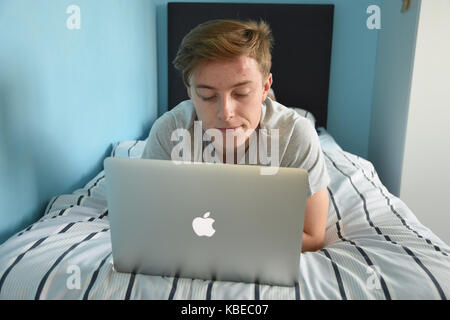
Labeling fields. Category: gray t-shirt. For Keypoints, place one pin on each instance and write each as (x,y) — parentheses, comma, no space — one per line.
(298,143)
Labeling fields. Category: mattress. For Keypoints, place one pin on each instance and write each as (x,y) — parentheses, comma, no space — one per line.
(375,248)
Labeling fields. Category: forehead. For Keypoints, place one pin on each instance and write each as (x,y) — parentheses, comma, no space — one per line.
(224,73)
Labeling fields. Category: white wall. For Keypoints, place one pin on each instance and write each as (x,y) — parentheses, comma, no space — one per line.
(426,162)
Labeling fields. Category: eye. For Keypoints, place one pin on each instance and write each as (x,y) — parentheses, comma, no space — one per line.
(207,98)
(241,95)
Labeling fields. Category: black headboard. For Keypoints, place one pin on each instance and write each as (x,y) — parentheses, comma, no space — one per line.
(300,57)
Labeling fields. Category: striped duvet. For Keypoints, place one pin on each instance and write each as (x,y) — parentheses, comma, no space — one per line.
(375,249)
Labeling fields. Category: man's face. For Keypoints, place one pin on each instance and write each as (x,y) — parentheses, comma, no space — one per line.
(228,95)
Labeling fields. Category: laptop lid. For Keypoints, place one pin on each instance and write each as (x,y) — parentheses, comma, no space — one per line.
(206,221)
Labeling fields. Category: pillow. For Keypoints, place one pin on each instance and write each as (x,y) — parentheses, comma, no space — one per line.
(128,149)
(306,114)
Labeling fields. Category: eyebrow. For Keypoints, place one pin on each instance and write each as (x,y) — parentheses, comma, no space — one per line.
(204,86)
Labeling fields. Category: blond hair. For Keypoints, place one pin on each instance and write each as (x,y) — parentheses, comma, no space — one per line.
(225,39)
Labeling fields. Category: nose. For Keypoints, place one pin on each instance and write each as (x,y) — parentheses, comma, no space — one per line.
(226,108)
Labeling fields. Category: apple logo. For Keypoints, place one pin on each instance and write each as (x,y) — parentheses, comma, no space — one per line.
(203,226)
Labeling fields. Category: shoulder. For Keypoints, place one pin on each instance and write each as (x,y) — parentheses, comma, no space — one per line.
(182,116)
(159,143)
(304,133)
(276,115)
(293,128)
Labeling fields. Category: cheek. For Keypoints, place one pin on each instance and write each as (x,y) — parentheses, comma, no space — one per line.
(252,113)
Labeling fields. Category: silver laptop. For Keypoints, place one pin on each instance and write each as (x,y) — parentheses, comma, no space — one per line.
(222,222)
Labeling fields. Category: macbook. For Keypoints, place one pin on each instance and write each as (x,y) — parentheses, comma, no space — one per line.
(221,222)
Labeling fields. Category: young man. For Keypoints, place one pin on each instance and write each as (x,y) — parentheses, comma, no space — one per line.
(226,70)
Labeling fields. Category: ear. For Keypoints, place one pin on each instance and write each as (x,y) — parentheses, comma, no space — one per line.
(266,86)
(189,92)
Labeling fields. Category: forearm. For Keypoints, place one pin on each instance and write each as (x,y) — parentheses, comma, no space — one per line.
(310,243)
(314,226)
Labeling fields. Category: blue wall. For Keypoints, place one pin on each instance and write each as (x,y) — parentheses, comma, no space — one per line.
(67,95)
(391,92)
(352,68)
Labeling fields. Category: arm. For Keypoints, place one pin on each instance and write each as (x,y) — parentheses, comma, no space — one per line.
(316,213)
(304,151)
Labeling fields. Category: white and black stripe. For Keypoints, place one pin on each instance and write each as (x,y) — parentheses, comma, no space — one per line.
(130,286)
(34,246)
(5,274)
(94,185)
(424,259)
(94,277)
(60,213)
(433,279)
(129,150)
(51,205)
(39,242)
(113,153)
(257,291)
(209,289)
(27,229)
(360,250)
(79,200)
(435,247)
(60,258)
(174,287)
(104,214)
(337,274)
(407,250)
(297,290)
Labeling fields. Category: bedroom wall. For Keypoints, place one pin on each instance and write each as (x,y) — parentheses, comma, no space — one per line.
(391,92)
(67,95)
(425,174)
(352,68)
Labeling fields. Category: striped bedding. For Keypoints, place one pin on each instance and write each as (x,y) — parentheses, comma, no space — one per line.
(375,249)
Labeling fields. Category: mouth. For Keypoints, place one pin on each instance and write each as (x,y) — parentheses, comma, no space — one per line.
(229,129)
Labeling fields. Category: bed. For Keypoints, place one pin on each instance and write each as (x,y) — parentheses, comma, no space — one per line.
(375,248)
